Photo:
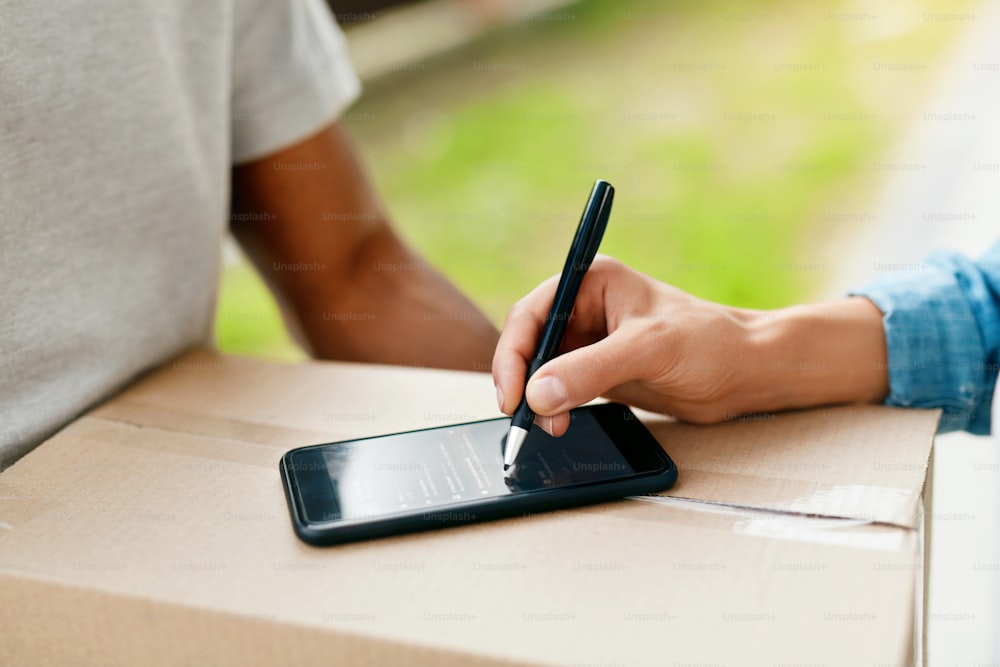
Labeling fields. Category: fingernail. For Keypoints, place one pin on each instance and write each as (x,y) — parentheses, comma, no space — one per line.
(500,398)
(548,394)
(546,424)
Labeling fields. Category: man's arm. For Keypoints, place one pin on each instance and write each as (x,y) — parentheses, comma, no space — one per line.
(311,223)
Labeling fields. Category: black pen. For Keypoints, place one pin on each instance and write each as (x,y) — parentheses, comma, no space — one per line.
(588,237)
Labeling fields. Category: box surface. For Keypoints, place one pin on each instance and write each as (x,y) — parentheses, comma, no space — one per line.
(154,531)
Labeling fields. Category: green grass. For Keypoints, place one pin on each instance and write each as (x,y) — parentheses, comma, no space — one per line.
(733,134)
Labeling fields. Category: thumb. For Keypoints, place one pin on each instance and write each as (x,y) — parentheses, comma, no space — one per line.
(584,374)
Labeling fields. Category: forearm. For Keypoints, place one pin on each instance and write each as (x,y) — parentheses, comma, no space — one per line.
(651,345)
(393,307)
(322,242)
(809,355)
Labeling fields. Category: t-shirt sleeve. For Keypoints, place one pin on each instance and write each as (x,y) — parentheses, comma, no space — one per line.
(942,328)
(291,74)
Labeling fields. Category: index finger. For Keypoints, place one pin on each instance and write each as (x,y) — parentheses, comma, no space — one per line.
(521,330)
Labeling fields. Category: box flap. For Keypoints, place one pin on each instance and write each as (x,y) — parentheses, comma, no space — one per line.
(861,462)
(299,403)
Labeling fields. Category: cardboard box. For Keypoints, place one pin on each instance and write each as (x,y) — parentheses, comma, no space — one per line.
(153,531)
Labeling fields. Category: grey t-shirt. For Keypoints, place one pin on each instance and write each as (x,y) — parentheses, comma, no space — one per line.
(119,122)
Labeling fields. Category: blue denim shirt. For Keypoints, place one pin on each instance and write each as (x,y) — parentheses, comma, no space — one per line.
(942,329)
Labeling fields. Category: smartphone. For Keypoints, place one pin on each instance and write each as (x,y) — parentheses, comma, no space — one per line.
(449,475)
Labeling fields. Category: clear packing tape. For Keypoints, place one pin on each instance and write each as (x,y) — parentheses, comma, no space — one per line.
(797,525)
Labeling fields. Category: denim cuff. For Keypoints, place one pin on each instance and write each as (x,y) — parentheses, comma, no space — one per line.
(933,328)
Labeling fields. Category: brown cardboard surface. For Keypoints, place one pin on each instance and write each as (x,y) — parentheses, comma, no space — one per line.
(301,403)
(154,532)
(859,462)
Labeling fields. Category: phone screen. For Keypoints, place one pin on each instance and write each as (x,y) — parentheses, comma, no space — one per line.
(424,470)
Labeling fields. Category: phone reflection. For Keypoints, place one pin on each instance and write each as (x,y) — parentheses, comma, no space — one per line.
(425,470)
(538,464)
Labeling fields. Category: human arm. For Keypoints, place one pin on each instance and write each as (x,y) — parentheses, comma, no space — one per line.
(304,211)
(317,233)
(639,341)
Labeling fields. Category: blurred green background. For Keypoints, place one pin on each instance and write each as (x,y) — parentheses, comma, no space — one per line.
(739,136)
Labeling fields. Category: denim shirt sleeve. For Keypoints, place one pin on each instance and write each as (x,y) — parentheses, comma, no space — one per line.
(942,329)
